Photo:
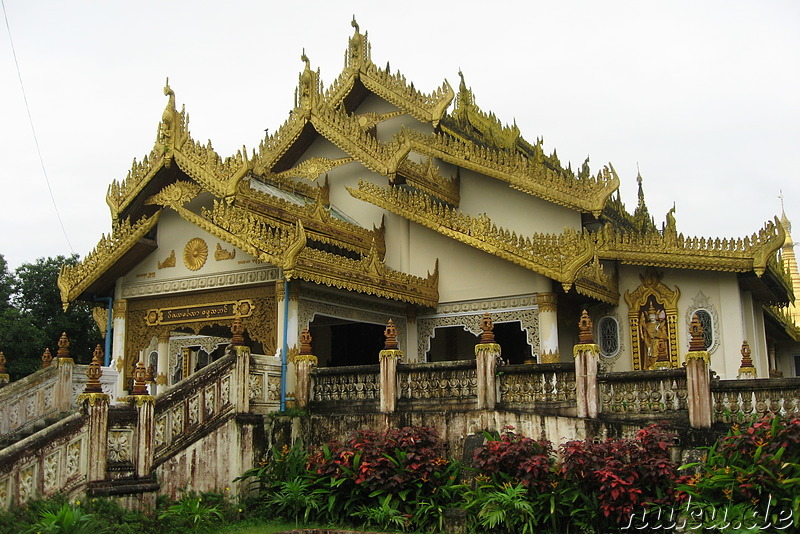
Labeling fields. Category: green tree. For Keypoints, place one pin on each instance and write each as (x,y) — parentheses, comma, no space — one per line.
(32,317)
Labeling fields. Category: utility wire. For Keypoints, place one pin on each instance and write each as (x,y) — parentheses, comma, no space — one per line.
(35,138)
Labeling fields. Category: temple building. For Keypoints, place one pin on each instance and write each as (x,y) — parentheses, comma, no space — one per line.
(377,201)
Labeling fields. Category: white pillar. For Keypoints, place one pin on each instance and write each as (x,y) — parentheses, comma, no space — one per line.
(548,328)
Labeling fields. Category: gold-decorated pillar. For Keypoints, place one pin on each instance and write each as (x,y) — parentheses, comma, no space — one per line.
(388,358)
(586,354)
(241,373)
(288,315)
(487,352)
(162,371)
(303,363)
(548,328)
(698,385)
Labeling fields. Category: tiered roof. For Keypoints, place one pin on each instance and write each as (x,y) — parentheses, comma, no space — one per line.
(263,205)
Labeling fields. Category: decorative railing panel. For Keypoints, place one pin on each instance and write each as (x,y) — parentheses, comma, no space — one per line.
(351,386)
(539,385)
(440,383)
(265,383)
(199,402)
(643,392)
(742,400)
(27,401)
(46,463)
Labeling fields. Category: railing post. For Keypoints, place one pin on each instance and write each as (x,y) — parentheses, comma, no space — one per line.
(65,364)
(95,404)
(144,403)
(487,352)
(241,373)
(303,363)
(747,370)
(388,358)
(698,385)
(586,354)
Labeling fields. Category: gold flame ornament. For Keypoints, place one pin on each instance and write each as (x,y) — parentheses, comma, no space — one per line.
(195,254)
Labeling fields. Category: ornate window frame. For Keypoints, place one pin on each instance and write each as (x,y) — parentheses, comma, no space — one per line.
(609,358)
(468,314)
(702,303)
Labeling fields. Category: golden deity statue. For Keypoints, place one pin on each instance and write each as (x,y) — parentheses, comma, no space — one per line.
(654,334)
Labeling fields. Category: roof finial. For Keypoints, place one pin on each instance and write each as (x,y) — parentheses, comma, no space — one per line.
(304,58)
(354,24)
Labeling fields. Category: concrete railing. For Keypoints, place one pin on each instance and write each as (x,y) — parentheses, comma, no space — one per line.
(440,384)
(544,388)
(41,395)
(353,387)
(637,393)
(742,400)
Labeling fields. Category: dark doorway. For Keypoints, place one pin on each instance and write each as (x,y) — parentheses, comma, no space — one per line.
(338,342)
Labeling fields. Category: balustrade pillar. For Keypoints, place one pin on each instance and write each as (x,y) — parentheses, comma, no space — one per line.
(586,354)
(388,358)
(698,385)
(548,328)
(304,362)
(95,405)
(162,369)
(65,365)
(487,352)
(144,404)
(241,373)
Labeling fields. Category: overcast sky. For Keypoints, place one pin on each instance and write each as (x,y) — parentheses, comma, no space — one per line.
(704,96)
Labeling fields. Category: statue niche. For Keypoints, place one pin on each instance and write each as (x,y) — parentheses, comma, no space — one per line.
(653,313)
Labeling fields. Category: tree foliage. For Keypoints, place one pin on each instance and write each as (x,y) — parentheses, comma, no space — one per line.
(32,318)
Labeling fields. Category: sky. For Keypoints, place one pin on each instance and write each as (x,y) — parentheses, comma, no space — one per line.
(703,98)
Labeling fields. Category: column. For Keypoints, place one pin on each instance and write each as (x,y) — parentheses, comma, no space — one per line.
(548,328)
(65,365)
(586,354)
(241,373)
(162,372)
(118,346)
(698,385)
(487,353)
(304,362)
(95,405)
(144,405)
(388,375)
(288,323)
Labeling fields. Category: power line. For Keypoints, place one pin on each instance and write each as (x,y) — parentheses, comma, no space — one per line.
(33,130)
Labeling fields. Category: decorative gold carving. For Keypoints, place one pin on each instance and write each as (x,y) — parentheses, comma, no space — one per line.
(175,194)
(550,356)
(100,316)
(592,281)
(261,327)
(93,398)
(205,312)
(520,172)
(746,368)
(426,177)
(169,261)
(195,254)
(754,253)
(556,256)
(548,302)
(653,315)
(120,308)
(312,168)
(221,254)
(74,279)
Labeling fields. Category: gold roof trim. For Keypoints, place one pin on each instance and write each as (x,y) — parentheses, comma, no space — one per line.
(582,194)
(592,281)
(313,168)
(174,143)
(556,256)
(426,177)
(669,249)
(75,279)
(319,224)
(783,316)
(368,275)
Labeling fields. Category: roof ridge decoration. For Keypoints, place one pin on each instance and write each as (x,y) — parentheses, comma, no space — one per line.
(315,215)
(313,168)
(74,279)
(670,249)
(426,177)
(557,256)
(174,144)
(522,173)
